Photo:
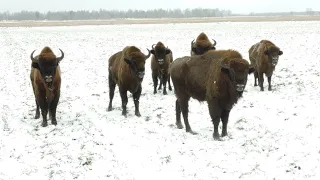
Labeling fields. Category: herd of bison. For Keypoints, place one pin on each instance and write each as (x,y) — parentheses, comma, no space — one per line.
(216,76)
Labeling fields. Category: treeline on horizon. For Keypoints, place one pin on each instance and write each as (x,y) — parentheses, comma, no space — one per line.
(138,14)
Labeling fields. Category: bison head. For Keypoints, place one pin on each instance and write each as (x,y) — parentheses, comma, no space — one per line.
(136,62)
(47,64)
(202,47)
(160,53)
(273,54)
(238,70)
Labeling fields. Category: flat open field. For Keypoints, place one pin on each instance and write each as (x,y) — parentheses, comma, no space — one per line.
(156,21)
(273,135)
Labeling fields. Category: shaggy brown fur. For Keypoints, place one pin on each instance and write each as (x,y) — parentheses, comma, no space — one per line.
(202,45)
(126,69)
(218,77)
(264,57)
(160,61)
(45,78)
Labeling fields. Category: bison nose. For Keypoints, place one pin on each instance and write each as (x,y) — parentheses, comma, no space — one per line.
(141,74)
(48,78)
(274,61)
(240,87)
(160,61)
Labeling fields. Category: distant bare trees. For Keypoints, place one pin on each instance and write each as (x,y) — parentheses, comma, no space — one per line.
(105,14)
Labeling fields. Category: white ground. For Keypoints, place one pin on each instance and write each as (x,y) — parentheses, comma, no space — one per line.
(272,135)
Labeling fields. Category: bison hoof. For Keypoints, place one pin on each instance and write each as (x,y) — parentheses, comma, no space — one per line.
(192,132)
(170,89)
(165,93)
(223,134)
(110,108)
(138,114)
(261,89)
(37,116)
(179,125)
(44,124)
(255,85)
(269,89)
(154,92)
(216,136)
(159,88)
(54,122)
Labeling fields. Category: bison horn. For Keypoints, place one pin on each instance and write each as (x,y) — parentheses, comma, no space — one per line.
(192,42)
(149,53)
(214,42)
(153,46)
(31,56)
(62,55)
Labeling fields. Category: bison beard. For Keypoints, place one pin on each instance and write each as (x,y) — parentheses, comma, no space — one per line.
(220,84)
(46,81)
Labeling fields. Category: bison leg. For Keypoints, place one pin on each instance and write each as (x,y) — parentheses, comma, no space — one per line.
(44,109)
(124,100)
(184,105)
(215,114)
(178,115)
(161,81)
(155,82)
(224,119)
(255,78)
(53,108)
(136,97)
(112,87)
(269,83)
(37,115)
(170,88)
(164,82)
(261,80)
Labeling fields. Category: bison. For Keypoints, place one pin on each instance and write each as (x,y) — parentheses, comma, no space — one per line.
(127,69)
(46,81)
(160,61)
(202,45)
(218,77)
(264,56)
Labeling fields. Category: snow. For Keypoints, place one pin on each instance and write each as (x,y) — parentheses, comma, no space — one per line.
(272,135)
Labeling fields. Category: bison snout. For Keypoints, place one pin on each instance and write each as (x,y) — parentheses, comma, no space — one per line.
(160,61)
(141,74)
(48,78)
(274,61)
(240,87)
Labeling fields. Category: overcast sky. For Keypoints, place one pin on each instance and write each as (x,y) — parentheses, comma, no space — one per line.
(236,6)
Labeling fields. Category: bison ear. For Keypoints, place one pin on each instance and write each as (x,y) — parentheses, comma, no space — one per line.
(280,53)
(229,71)
(168,51)
(153,51)
(251,70)
(35,65)
(213,48)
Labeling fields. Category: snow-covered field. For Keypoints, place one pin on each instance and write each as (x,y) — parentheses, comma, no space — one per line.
(272,135)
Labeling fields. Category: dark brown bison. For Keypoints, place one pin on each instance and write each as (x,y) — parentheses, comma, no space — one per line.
(160,61)
(264,56)
(127,69)
(46,81)
(217,77)
(202,45)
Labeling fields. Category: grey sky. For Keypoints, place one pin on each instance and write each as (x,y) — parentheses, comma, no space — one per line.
(236,6)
